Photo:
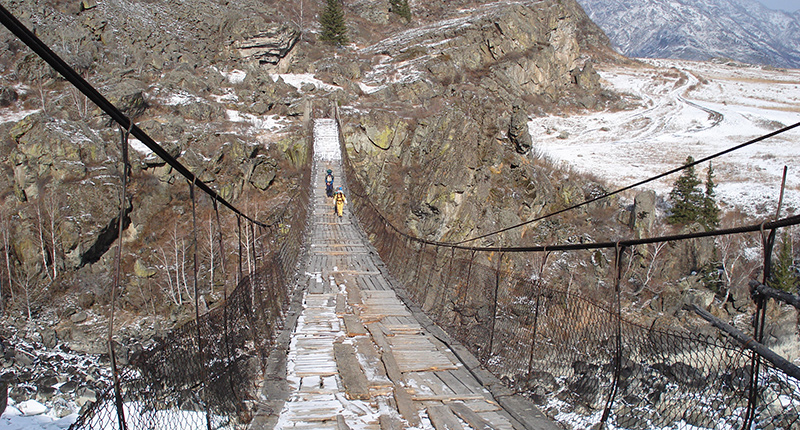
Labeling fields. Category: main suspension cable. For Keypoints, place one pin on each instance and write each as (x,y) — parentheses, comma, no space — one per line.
(642,182)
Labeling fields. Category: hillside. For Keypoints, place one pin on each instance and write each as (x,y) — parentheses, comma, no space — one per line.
(741,30)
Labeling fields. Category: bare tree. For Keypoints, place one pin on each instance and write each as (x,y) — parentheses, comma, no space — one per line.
(33,288)
(52,207)
(42,245)
(172,290)
(733,261)
(5,226)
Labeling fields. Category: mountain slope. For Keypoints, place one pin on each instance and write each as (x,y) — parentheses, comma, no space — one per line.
(700,30)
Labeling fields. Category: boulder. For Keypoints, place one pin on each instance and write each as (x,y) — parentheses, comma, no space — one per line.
(85,395)
(518,130)
(644,213)
(142,271)
(7,96)
(269,46)
(79,317)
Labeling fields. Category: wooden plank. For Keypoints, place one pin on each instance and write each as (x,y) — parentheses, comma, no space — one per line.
(353,294)
(373,366)
(353,378)
(353,326)
(389,362)
(443,418)
(415,353)
(500,420)
(341,424)
(470,417)
(452,382)
(389,422)
(482,406)
(341,304)
(405,405)
(434,384)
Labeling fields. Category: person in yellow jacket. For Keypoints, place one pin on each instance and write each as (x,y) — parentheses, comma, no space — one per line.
(339,200)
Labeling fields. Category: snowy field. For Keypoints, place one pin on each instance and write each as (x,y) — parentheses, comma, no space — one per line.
(689,108)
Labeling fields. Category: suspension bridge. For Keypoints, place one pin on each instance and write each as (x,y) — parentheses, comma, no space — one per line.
(360,357)
(337,319)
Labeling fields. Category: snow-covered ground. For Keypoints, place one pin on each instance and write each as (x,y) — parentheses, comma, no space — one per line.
(689,108)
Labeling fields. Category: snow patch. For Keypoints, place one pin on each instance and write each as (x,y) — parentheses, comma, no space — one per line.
(139,147)
(299,79)
(7,116)
(269,122)
(326,140)
(235,76)
(688,108)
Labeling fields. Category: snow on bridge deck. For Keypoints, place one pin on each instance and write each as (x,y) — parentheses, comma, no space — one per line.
(359,358)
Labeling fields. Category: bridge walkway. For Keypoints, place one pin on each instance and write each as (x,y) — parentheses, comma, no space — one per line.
(359,358)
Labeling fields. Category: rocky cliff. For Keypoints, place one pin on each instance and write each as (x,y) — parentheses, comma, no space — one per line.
(434,118)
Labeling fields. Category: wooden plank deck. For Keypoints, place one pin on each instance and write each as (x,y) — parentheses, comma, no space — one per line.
(360,358)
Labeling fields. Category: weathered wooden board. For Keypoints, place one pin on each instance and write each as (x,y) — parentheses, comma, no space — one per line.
(470,417)
(389,362)
(373,366)
(415,353)
(443,418)
(390,422)
(341,424)
(353,378)
(341,304)
(448,378)
(405,405)
(353,326)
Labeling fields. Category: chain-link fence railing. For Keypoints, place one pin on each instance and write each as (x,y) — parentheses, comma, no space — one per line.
(575,356)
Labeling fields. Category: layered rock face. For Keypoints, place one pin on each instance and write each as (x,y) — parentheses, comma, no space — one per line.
(172,68)
(439,125)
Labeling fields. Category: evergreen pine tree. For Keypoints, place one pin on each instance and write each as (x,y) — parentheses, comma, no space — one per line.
(783,276)
(710,212)
(687,198)
(332,21)
(401,8)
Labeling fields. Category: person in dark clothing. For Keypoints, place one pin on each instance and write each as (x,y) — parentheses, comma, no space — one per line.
(329,183)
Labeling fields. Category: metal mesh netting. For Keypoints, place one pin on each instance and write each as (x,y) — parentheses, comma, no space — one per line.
(203,374)
(577,357)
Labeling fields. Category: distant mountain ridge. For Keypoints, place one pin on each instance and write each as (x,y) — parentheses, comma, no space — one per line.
(742,30)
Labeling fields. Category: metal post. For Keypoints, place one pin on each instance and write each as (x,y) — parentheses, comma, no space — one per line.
(417,287)
(239,226)
(537,286)
(759,320)
(494,304)
(197,322)
(118,259)
(463,298)
(533,335)
(619,251)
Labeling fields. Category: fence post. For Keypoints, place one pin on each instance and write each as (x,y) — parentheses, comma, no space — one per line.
(417,287)
(447,282)
(239,226)
(118,261)
(533,335)
(536,286)
(494,304)
(200,351)
(432,269)
(463,298)
(759,320)
(617,315)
